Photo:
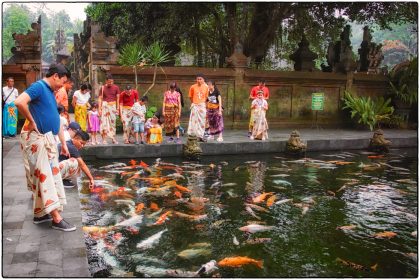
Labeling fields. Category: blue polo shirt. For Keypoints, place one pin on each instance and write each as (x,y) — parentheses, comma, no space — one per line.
(43,107)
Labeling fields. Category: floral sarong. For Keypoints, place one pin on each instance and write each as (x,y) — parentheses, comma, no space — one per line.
(171,119)
(197,121)
(44,173)
(126,117)
(108,118)
(260,128)
(80,115)
(215,121)
(9,119)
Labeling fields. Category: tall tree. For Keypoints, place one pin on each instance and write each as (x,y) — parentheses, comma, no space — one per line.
(257,25)
(16,19)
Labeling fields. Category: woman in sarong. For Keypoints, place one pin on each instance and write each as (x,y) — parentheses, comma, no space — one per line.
(214,112)
(109,108)
(172,111)
(260,106)
(10,113)
(81,105)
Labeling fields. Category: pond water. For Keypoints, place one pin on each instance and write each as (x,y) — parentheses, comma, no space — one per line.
(341,214)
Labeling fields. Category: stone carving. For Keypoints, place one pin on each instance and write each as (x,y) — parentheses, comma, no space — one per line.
(364,50)
(103,48)
(303,57)
(27,46)
(294,145)
(191,149)
(238,59)
(60,47)
(375,58)
(340,54)
(378,143)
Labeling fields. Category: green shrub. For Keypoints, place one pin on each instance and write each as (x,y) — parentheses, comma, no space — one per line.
(368,111)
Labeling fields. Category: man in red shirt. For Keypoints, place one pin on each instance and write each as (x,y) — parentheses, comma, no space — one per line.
(253,94)
(127,99)
(109,108)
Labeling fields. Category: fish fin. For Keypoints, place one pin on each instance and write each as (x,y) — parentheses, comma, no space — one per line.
(374,267)
(260,264)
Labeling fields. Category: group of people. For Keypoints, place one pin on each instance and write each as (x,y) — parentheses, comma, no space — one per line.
(50,142)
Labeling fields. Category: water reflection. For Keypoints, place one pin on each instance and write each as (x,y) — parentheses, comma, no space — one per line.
(328,215)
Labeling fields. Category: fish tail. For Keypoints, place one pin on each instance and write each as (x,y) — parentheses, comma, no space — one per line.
(260,264)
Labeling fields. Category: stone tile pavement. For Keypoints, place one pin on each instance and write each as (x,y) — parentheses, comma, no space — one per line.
(31,250)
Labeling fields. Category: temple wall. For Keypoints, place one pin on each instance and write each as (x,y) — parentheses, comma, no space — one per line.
(290,92)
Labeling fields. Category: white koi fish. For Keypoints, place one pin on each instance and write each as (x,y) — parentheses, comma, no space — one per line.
(136,219)
(149,242)
(253,228)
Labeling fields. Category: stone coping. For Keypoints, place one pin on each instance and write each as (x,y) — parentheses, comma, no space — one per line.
(236,142)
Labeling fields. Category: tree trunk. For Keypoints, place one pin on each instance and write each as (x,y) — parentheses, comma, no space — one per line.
(135,76)
(198,44)
(153,82)
(266,20)
(232,19)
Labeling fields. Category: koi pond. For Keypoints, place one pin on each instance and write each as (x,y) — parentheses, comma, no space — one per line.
(341,214)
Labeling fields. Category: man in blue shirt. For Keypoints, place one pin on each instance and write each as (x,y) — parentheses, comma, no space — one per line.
(39,148)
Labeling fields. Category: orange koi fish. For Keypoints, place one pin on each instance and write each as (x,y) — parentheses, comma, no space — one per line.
(271,200)
(385,234)
(163,218)
(139,208)
(142,164)
(132,162)
(240,261)
(376,156)
(178,194)
(261,197)
(154,206)
(356,266)
(182,189)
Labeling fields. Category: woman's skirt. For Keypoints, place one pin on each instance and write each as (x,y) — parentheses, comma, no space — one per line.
(171,119)
(80,115)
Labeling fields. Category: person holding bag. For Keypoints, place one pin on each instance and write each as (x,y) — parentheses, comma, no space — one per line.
(10,112)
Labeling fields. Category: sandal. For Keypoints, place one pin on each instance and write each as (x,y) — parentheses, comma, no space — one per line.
(125,142)
(220,139)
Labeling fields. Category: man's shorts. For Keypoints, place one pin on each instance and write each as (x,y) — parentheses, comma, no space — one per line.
(138,127)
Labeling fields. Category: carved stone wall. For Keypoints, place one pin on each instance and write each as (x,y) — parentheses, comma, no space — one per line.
(25,64)
(290,92)
(94,54)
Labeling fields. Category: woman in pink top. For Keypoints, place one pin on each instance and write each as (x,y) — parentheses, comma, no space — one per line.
(172,111)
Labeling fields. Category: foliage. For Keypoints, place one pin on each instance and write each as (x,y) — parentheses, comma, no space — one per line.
(155,55)
(369,112)
(404,82)
(132,55)
(16,19)
(210,31)
(150,112)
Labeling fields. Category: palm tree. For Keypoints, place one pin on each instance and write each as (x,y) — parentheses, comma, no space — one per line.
(132,55)
(155,55)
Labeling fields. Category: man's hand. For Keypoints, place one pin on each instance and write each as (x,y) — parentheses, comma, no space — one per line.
(31,126)
(64,150)
(99,112)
